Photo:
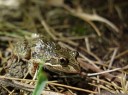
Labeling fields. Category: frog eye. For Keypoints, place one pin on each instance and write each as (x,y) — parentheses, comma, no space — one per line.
(64,61)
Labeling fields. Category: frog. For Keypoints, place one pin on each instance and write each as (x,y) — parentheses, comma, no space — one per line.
(57,59)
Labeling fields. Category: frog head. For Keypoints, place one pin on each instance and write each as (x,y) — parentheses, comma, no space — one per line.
(64,61)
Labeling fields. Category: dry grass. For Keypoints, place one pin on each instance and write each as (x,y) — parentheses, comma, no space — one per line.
(102,50)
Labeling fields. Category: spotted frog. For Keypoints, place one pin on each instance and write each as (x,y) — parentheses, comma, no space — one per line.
(57,59)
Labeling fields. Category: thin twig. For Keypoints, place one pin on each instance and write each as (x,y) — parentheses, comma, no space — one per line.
(112,58)
(47,28)
(74,88)
(89,66)
(107,71)
(90,17)
(28,87)
(87,44)
(120,55)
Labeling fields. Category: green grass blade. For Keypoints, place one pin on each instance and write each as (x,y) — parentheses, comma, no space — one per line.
(42,79)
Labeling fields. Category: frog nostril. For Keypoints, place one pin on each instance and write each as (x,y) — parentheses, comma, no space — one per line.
(64,61)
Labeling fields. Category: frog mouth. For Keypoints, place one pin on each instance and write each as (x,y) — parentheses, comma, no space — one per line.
(60,68)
